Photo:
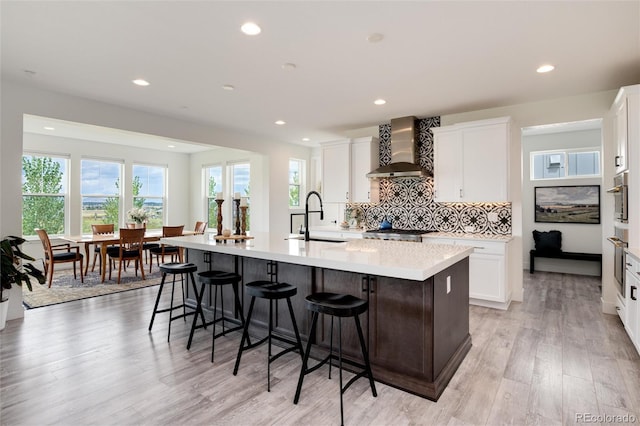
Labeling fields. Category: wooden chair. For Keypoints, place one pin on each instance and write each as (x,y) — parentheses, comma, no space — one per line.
(164,249)
(146,247)
(99,230)
(200,227)
(66,255)
(129,248)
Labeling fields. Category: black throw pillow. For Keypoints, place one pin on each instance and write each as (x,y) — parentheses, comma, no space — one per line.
(548,242)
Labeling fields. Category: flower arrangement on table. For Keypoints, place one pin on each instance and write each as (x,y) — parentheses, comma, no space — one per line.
(138,215)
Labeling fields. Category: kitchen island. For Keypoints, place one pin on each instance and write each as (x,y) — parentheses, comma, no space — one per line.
(417,325)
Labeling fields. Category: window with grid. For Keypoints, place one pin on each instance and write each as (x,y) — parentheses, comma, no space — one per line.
(213,178)
(101,193)
(564,164)
(296,182)
(240,174)
(148,191)
(44,193)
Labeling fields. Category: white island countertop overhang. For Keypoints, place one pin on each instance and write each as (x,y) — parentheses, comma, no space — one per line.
(397,259)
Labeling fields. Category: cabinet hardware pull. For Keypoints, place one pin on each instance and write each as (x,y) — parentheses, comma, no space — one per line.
(633,289)
(617,157)
(346,196)
(365,281)
(628,264)
(460,192)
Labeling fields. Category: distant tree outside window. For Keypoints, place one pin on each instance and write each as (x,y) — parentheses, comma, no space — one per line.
(148,190)
(43,194)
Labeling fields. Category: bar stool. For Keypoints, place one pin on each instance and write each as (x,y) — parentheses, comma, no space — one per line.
(174,269)
(216,279)
(336,305)
(272,292)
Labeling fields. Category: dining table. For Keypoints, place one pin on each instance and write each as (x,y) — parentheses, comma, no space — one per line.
(105,240)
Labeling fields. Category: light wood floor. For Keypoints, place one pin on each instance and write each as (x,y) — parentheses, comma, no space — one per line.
(93,362)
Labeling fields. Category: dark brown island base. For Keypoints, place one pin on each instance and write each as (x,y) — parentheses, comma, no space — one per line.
(417,331)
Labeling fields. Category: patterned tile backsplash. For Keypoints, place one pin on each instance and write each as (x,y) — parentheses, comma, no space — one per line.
(408,202)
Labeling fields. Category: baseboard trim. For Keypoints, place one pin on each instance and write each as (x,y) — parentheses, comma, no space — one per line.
(490,304)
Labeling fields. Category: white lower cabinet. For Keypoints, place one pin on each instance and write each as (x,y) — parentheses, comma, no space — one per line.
(488,271)
(632,308)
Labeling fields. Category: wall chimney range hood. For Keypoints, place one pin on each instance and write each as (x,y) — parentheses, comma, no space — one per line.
(404,152)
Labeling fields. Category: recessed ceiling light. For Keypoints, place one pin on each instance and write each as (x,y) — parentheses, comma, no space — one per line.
(545,68)
(49,128)
(379,102)
(140,82)
(288,66)
(250,28)
(281,123)
(171,146)
(228,87)
(305,139)
(375,38)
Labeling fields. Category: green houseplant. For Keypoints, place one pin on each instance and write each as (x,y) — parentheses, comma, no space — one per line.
(13,272)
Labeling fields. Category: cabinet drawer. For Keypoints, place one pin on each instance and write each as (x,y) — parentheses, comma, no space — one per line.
(481,247)
(632,265)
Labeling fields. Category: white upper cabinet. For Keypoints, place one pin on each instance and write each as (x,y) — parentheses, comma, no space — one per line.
(336,162)
(345,165)
(364,158)
(471,161)
(626,112)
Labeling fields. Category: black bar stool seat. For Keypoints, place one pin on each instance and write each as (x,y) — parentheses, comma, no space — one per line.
(217,279)
(174,269)
(336,305)
(271,291)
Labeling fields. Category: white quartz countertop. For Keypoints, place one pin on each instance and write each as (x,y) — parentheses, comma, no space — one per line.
(470,237)
(634,251)
(399,259)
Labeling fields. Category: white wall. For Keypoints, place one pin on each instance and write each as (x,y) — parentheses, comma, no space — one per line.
(16,99)
(576,237)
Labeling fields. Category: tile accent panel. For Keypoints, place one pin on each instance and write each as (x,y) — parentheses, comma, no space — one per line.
(408,202)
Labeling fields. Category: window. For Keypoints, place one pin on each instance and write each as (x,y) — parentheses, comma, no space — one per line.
(564,164)
(240,174)
(213,176)
(148,190)
(44,190)
(296,175)
(101,193)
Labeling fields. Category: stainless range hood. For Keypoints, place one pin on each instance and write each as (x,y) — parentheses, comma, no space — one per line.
(404,152)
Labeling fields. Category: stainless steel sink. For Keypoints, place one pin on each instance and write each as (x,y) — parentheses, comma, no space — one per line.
(322,240)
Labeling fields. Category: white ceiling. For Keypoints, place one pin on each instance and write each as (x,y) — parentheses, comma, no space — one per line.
(436,57)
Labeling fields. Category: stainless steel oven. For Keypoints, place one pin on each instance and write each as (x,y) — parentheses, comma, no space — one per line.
(619,241)
(620,196)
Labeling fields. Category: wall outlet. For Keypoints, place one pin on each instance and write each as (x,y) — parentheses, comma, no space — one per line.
(448,284)
(469,228)
(492,216)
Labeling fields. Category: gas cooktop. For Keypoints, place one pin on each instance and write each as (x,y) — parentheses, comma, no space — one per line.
(396,234)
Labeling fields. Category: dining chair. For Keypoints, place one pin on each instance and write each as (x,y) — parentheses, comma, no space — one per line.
(200,227)
(146,247)
(165,249)
(65,255)
(129,248)
(99,230)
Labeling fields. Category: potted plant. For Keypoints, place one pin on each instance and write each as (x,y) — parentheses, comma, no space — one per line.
(13,272)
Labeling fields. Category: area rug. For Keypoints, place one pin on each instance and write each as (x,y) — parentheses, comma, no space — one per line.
(65,288)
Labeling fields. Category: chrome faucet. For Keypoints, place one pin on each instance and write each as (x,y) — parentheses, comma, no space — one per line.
(306,213)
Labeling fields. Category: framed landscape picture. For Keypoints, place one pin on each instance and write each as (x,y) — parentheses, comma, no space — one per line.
(567,204)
